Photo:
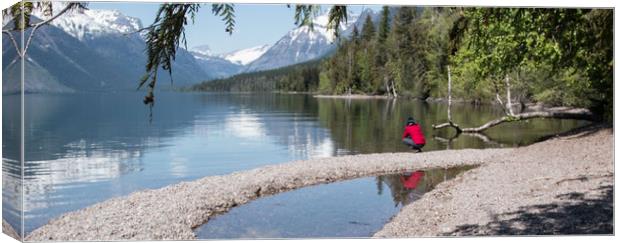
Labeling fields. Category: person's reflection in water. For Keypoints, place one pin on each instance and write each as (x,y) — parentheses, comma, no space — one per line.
(410,180)
(411,190)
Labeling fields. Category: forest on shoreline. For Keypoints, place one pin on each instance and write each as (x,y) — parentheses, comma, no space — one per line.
(561,57)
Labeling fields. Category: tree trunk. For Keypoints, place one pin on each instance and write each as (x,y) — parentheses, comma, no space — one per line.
(508,97)
(449,96)
(387,86)
(394,89)
(449,123)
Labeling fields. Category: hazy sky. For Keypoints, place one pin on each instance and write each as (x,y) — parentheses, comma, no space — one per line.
(257,24)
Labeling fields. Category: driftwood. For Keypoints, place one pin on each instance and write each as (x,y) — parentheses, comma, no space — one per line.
(510,116)
(566,113)
(556,113)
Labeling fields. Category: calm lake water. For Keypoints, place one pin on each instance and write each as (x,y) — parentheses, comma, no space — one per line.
(362,207)
(85,148)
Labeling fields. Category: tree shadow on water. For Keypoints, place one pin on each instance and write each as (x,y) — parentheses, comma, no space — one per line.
(578,215)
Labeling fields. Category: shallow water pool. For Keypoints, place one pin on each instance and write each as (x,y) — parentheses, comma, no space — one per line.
(354,208)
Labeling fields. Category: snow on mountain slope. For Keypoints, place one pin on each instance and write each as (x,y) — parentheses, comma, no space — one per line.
(245,56)
(226,64)
(214,65)
(300,44)
(202,50)
(92,50)
(93,23)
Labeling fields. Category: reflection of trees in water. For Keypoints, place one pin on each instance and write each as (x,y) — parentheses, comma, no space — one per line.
(375,125)
(431,178)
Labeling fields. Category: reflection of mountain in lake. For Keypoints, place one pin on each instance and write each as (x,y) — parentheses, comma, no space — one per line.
(77,140)
(86,147)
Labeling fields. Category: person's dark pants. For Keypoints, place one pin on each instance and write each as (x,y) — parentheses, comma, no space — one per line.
(412,144)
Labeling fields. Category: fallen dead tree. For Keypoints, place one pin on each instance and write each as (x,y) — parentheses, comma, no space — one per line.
(510,116)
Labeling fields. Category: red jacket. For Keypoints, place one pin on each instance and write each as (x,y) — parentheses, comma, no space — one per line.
(415,133)
(411,182)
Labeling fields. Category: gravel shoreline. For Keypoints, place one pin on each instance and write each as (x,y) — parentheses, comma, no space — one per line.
(170,213)
(8,230)
(561,186)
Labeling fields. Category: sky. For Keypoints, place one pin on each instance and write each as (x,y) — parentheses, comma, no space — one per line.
(256,24)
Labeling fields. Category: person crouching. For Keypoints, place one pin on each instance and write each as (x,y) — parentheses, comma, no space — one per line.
(413,136)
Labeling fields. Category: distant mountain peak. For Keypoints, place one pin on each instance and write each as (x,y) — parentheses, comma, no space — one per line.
(204,50)
(302,44)
(247,55)
(91,23)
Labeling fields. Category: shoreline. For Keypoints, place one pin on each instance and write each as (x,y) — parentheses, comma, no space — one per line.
(530,106)
(549,188)
(8,230)
(353,96)
(172,212)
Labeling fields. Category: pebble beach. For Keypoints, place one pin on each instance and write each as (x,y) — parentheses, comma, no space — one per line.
(547,177)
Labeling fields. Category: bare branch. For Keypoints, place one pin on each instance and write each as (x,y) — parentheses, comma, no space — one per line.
(448,124)
(44,22)
(8,33)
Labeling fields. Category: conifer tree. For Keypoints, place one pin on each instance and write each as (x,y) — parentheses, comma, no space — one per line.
(368,30)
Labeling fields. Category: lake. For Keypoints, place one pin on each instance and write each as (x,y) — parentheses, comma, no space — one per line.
(361,206)
(84,148)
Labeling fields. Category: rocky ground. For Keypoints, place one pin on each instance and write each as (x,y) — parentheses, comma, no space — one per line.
(8,230)
(515,191)
(561,186)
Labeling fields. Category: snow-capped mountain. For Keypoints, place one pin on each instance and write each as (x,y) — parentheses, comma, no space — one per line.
(298,45)
(245,56)
(94,23)
(226,64)
(214,65)
(301,44)
(90,50)
(202,51)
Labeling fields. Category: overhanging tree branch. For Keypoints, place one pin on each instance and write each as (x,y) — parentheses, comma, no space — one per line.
(35,27)
(168,30)
(10,35)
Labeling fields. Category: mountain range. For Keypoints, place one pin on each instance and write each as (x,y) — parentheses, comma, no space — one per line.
(89,50)
(299,45)
(95,50)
